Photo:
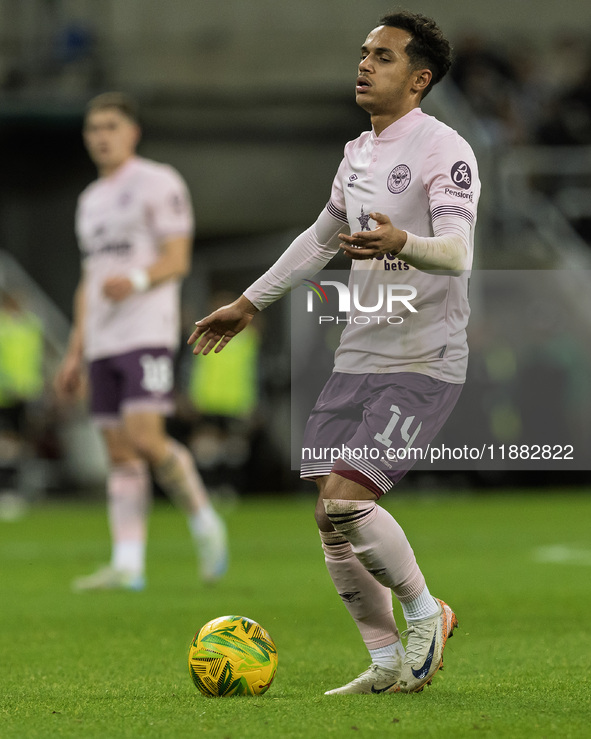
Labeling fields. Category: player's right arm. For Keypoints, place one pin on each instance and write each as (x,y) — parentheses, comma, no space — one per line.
(69,379)
(307,254)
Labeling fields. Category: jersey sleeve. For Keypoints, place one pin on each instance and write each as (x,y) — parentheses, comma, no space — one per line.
(78,226)
(307,254)
(336,205)
(170,205)
(451,180)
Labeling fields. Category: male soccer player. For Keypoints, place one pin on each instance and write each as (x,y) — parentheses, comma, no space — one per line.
(134,225)
(408,191)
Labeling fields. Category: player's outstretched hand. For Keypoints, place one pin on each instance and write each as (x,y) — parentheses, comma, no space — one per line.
(216,329)
(383,239)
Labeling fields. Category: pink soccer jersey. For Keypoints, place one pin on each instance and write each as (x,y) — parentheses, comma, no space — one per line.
(418,170)
(121,220)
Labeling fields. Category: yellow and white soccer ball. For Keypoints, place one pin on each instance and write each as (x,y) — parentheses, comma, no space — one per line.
(232,655)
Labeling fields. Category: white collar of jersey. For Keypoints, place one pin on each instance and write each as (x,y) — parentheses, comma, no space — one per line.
(401,126)
(123,169)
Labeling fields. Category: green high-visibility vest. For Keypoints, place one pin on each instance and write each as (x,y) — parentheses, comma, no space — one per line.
(21,357)
(226,384)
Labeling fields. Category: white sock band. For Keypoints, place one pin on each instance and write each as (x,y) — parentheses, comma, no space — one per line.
(423,606)
(389,656)
(129,556)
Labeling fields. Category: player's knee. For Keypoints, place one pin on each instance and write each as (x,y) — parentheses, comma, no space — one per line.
(322,520)
(119,453)
(119,457)
(148,445)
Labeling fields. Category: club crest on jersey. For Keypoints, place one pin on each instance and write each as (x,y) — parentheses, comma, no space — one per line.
(461,175)
(399,179)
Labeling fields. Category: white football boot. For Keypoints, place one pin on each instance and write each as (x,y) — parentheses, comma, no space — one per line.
(376,679)
(424,649)
(107,578)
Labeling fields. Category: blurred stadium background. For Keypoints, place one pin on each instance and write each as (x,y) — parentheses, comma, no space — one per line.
(253,103)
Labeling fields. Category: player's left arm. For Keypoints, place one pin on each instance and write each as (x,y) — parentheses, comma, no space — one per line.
(447,250)
(174,261)
(171,216)
(173,264)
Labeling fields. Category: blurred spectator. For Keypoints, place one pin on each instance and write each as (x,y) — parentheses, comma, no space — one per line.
(563,66)
(568,116)
(489,82)
(76,64)
(530,91)
(227,387)
(21,382)
(224,390)
(521,95)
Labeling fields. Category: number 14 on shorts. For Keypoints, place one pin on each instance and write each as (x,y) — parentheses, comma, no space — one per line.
(385,437)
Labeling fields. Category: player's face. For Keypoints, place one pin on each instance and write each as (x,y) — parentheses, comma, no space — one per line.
(110,138)
(386,84)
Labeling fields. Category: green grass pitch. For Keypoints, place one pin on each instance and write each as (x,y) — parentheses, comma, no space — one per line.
(515,567)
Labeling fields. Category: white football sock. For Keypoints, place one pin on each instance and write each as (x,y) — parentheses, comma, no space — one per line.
(423,606)
(203,521)
(211,542)
(389,656)
(369,603)
(379,543)
(129,556)
(128,490)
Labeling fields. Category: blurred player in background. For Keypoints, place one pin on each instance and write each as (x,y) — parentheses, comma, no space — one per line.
(134,226)
(407,190)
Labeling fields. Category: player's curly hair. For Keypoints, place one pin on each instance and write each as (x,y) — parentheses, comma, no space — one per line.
(122,102)
(428,47)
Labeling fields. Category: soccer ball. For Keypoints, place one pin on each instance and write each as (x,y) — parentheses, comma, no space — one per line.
(232,655)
